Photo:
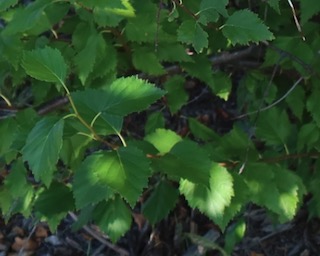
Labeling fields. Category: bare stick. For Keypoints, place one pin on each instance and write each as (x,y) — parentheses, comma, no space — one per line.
(100,238)
(296,20)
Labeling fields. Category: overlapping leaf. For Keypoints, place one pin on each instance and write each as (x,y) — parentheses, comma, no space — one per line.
(27,18)
(245,26)
(186,160)
(274,127)
(312,106)
(5,4)
(86,58)
(191,32)
(87,187)
(176,96)
(212,200)
(45,64)
(210,10)
(42,148)
(146,60)
(275,5)
(285,189)
(124,96)
(160,202)
(309,8)
(163,140)
(54,203)
(125,171)
(113,217)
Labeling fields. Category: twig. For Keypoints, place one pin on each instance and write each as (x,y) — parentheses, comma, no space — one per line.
(296,20)
(289,55)
(99,237)
(185,9)
(273,104)
(292,156)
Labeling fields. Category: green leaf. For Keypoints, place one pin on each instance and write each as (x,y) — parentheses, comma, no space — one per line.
(313,106)
(144,27)
(113,217)
(210,10)
(308,9)
(11,49)
(45,64)
(19,191)
(191,32)
(201,131)
(200,68)
(186,160)
(126,171)
(275,5)
(146,61)
(176,96)
(285,189)
(154,121)
(16,181)
(296,101)
(54,203)
(245,26)
(7,202)
(238,201)
(8,129)
(106,62)
(259,179)
(308,136)
(172,53)
(5,4)
(163,140)
(221,85)
(106,18)
(42,148)
(86,58)
(234,235)
(289,185)
(235,145)
(274,127)
(27,18)
(211,201)
(122,97)
(160,202)
(73,150)
(87,186)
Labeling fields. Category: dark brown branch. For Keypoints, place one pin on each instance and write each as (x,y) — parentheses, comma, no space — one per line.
(292,156)
(52,105)
(185,9)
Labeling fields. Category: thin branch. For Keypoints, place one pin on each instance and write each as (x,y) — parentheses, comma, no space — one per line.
(100,237)
(296,20)
(185,9)
(291,156)
(274,103)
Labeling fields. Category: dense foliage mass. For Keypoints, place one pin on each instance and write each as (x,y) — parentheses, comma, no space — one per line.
(74,73)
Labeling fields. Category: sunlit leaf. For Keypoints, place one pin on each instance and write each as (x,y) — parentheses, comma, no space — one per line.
(163,140)
(113,217)
(214,200)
